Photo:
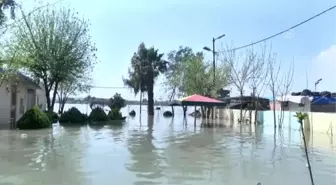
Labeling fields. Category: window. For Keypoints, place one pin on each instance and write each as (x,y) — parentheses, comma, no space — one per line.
(21,106)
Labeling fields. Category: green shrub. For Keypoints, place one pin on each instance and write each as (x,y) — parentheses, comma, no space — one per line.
(33,119)
(73,115)
(167,114)
(115,114)
(98,114)
(53,116)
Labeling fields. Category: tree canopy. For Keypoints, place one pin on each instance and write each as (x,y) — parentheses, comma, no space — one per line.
(54,45)
(189,73)
(117,102)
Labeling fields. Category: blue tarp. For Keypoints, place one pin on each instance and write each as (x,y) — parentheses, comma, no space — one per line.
(321,100)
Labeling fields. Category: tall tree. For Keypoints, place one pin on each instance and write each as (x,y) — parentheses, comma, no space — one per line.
(176,70)
(274,72)
(54,45)
(146,65)
(242,67)
(188,73)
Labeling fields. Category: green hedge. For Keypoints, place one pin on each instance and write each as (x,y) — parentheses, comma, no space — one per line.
(73,115)
(98,114)
(53,116)
(33,119)
(115,114)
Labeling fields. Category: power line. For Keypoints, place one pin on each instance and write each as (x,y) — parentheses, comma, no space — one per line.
(106,87)
(297,25)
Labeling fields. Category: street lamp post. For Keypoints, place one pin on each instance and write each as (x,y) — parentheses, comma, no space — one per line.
(213,63)
(213,56)
(317,82)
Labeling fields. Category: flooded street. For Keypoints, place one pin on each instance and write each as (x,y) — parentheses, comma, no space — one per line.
(164,151)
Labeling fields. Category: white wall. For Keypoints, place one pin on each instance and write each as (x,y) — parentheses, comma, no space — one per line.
(41,99)
(4,106)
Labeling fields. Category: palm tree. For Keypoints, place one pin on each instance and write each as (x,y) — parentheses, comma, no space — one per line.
(146,65)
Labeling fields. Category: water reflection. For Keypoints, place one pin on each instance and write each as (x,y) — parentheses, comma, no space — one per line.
(146,161)
(164,151)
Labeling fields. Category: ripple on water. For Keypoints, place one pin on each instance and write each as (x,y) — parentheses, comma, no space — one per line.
(162,153)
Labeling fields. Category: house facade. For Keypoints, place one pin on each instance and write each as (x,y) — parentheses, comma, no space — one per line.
(17,95)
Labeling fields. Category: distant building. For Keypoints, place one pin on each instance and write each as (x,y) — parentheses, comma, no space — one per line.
(18,93)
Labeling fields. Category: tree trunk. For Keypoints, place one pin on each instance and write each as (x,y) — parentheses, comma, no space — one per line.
(151,98)
(140,105)
(274,116)
(256,107)
(250,113)
(241,106)
(47,94)
(61,106)
(54,97)
(208,112)
(203,112)
(184,111)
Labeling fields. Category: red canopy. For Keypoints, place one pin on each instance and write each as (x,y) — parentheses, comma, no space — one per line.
(199,100)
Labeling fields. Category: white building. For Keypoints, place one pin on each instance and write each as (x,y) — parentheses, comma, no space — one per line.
(17,95)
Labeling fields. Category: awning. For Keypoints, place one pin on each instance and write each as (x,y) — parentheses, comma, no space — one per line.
(198,100)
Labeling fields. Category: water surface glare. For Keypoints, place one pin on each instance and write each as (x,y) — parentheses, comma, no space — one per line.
(160,152)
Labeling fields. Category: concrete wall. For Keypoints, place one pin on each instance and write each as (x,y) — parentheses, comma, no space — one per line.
(4,107)
(318,122)
(22,97)
(41,99)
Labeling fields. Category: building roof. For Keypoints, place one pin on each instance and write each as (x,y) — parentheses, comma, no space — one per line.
(25,79)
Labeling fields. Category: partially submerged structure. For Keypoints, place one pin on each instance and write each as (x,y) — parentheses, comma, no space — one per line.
(198,100)
(18,93)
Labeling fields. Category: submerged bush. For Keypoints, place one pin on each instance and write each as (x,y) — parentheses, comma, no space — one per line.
(53,116)
(73,115)
(167,114)
(115,114)
(33,119)
(132,113)
(98,114)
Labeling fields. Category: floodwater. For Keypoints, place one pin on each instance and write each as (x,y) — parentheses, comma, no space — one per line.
(162,151)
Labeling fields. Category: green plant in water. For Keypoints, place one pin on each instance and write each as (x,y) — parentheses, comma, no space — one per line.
(115,114)
(300,117)
(34,119)
(98,114)
(73,116)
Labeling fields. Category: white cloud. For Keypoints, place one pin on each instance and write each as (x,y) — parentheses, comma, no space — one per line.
(324,66)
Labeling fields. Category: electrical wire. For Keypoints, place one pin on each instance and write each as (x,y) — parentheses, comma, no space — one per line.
(277,34)
(106,87)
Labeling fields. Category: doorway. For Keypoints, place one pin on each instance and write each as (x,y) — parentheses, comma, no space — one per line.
(31,101)
(13,106)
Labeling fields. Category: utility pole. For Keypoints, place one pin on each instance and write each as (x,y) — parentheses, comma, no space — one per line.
(140,84)
(213,50)
(214,66)
(214,61)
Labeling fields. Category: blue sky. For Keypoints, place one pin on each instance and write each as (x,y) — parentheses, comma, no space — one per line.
(118,27)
